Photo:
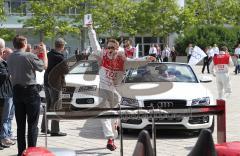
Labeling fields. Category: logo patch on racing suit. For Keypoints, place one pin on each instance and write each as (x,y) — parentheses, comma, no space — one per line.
(221,61)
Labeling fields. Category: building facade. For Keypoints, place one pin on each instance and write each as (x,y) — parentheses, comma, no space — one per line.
(14,15)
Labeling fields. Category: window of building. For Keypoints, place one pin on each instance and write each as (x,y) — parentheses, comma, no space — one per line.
(138,40)
(15,7)
(150,39)
(7,7)
(73,11)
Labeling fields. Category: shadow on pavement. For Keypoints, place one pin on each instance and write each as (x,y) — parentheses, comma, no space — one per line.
(92,129)
(162,134)
(92,151)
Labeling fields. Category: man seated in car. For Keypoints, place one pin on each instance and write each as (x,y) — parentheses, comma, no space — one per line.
(164,73)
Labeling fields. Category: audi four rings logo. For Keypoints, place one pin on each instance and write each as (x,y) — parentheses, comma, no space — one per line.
(90,101)
(165,104)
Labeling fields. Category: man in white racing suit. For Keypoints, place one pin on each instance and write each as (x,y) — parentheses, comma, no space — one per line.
(112,62)
(219,67)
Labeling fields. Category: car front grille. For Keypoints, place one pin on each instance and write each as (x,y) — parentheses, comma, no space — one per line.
(68,90)
(166,120)
(165,103)
(85,101)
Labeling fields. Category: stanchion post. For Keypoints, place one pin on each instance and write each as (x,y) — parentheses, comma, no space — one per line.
(46,123)
(154,133)
(221,122)
(121,132)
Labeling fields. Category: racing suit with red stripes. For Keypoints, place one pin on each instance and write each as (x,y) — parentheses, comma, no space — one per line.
(220,68)
(111,74)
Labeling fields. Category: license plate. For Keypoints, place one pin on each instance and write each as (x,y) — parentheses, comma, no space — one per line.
(66,96)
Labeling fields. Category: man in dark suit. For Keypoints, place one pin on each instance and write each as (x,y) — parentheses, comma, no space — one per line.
(54,80)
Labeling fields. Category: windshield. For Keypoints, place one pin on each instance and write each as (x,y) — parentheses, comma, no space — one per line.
(161,72)
(85,67)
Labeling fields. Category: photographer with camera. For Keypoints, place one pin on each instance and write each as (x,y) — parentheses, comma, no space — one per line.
(22,66)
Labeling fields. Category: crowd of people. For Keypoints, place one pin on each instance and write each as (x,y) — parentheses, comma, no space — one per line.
(163,55)
(19,91)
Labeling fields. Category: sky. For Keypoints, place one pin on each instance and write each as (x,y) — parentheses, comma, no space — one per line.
(181,3)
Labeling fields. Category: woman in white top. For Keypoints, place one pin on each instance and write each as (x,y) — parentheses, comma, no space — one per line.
(153,51)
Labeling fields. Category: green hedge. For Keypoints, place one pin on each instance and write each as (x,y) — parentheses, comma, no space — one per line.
(7,34)
(203,36)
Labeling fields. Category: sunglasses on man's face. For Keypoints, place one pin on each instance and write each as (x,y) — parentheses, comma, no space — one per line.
(111,47)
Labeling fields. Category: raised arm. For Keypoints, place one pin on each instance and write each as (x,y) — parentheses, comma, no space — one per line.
(138,62)
(93,41)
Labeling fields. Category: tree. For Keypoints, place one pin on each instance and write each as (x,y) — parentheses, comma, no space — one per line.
(113,17)
(7,34)
(204,36)
(205,22)
(50,19)
(157,17)
(209,12)
(2,13)
(230,11)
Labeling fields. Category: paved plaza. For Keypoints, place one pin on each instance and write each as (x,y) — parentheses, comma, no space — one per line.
(86,137)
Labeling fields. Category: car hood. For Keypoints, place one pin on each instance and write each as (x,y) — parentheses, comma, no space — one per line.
(79,79)
(73,79)
(164,90)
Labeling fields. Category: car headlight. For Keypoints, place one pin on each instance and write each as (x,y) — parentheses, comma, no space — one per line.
(201,101)
(129,102)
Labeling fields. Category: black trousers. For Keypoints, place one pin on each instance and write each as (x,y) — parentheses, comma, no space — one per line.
(204,65)
(188,58)
(54,102)
(27,107)
(1,109)
(165,59)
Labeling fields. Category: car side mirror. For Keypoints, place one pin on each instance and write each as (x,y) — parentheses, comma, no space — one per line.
(205,78)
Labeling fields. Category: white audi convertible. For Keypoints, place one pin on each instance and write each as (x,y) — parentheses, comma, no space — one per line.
(166,85)
(155,85)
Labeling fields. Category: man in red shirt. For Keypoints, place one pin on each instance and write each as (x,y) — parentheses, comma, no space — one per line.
(219,67)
